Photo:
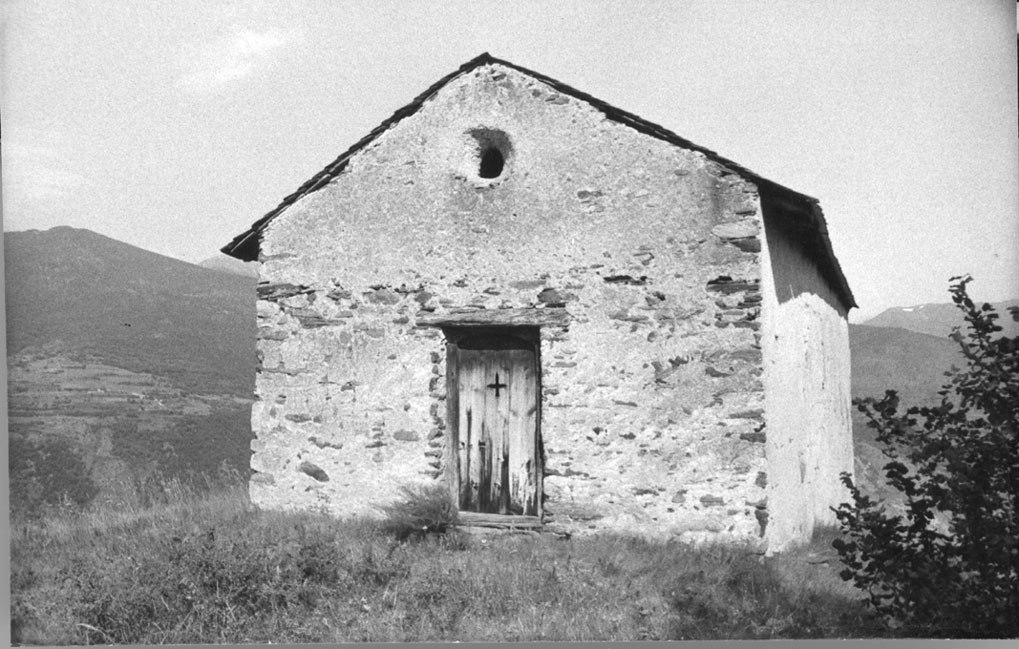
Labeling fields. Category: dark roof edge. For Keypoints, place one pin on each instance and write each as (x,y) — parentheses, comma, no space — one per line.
(808,220)
(246,245)
(834,273)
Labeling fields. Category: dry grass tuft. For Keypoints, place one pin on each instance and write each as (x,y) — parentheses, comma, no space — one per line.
(422,510)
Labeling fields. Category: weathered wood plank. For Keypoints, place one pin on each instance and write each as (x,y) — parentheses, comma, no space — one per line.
(549,316)
(453,452)
(531,461)
(516,408)
(472,409)
(493,432)
(523,428)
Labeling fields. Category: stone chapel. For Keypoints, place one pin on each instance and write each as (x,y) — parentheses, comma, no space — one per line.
(571,318)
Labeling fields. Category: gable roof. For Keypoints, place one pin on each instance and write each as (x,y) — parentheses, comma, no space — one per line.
(803,209)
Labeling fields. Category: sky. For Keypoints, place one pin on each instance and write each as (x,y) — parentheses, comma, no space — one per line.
(173,126)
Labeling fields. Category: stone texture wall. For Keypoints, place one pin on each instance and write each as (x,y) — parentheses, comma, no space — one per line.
(652,403)
(807,390)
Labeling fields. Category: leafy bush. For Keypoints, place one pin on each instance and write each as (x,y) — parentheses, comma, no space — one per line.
(423,509)
(948,567)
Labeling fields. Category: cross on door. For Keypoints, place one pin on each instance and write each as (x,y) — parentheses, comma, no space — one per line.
(496,385)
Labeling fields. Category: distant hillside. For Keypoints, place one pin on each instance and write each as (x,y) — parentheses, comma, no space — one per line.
(131,308)
(233,265)
(938,319)
(891,358)
(122,364)
(913,364)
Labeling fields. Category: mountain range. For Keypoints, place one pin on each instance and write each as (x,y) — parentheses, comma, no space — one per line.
(938,319)
(85,293)
(124,364)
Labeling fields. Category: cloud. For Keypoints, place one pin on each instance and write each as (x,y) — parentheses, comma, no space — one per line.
(209,69)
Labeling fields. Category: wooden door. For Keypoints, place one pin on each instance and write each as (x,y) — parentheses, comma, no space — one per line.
(497,423)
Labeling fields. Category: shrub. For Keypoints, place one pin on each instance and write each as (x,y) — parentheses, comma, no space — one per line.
(947,567)
(423,509)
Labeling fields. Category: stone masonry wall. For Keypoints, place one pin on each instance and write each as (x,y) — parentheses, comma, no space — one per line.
(652,400)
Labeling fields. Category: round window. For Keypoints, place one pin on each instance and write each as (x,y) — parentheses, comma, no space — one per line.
(488,156)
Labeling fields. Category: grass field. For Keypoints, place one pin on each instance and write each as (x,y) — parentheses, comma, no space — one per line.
(194,566)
